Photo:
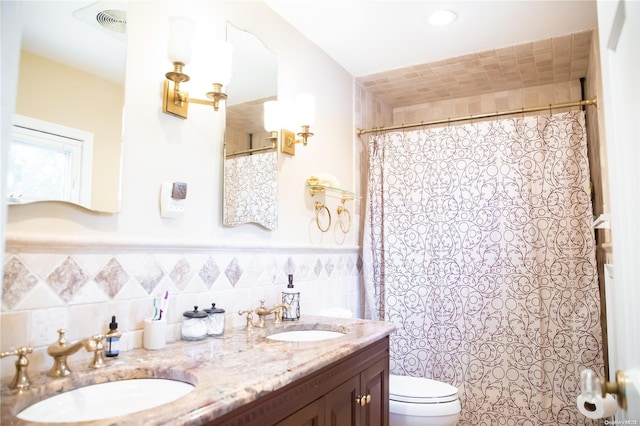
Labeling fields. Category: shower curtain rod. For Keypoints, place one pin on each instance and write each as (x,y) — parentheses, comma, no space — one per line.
(587,102)
(247,151)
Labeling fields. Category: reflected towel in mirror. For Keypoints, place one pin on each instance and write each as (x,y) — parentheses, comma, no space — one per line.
(250,190)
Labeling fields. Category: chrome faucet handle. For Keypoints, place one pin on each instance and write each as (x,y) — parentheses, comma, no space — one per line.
(249,313)
(21,379)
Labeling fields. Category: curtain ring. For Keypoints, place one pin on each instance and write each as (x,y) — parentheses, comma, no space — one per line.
(319,208)
(550,113)
(341,211)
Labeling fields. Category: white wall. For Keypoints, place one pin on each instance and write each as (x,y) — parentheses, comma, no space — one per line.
(159,147)
(64,264)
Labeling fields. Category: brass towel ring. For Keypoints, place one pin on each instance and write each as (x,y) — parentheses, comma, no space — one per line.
(319,208)
(341,212)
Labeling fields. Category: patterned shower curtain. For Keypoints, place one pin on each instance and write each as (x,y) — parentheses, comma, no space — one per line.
(479,249)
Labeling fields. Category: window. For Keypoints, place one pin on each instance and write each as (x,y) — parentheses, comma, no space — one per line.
(49,162)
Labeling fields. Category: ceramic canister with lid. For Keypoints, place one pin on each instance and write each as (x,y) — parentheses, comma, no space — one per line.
(194,325)
(215,320)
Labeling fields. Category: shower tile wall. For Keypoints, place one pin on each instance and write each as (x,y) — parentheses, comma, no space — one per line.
(78,288)
(369,112)
(490,102)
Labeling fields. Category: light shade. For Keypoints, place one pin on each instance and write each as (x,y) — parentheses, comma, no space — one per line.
(271,116)
(181,30)
(441,17)
(305,109)
(222,52)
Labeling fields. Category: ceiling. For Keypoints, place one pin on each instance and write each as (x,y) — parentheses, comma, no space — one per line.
(492,46)
(385,44)
(50,29)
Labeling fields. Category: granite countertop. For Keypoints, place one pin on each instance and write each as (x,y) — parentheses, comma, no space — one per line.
(228,371)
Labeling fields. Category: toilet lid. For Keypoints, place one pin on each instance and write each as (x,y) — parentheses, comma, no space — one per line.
(420,390)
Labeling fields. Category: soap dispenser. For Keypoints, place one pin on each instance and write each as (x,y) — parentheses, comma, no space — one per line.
(113,339)
(291,298)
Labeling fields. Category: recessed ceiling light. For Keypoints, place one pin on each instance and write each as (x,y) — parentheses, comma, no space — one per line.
(441,17)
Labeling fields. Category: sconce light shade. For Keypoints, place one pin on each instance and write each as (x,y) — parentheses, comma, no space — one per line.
(181,30)
(306,109)
(176,101)
(271,116)
(304,116)
(222,52)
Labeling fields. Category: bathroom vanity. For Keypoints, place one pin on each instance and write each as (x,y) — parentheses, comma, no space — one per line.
(244,378)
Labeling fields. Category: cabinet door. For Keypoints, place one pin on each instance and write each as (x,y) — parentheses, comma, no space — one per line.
(374,382)
(340,404)
(311,415)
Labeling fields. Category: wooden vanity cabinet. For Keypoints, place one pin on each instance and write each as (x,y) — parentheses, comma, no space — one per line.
(353,391)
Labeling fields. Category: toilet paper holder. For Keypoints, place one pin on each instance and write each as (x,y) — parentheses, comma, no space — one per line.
(590,383)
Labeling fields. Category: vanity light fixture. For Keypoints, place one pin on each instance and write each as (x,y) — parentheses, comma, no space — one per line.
(305,116)
(174,100)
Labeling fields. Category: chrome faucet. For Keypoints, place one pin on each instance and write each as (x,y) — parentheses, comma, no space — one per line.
(262,312)
(20,380)
(60,350)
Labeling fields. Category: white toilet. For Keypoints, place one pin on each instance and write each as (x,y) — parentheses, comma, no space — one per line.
(425,402)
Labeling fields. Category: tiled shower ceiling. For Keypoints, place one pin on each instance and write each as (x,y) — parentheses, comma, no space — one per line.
(553,60)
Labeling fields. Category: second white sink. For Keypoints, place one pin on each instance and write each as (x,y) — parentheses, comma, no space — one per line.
(305,335)
(105,400)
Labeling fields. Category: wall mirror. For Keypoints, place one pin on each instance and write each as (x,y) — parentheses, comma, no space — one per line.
(250,160)
(67,138)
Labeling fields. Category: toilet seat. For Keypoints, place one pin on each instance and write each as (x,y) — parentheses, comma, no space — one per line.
(418,390)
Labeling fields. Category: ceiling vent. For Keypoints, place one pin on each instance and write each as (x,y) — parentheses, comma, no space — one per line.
(108,16)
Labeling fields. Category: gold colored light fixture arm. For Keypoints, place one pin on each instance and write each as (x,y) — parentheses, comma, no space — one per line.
(304,134)
(176,102)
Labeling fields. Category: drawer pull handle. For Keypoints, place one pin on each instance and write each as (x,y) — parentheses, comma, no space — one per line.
(363,400)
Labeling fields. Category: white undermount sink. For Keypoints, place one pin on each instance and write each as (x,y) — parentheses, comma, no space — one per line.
(305,335)
(105,400)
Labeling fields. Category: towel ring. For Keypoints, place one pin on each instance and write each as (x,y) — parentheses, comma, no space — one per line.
(341,212)
(319,207)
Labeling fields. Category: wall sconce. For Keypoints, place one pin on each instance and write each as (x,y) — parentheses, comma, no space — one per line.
(304,115)
(276,114)
(175,101)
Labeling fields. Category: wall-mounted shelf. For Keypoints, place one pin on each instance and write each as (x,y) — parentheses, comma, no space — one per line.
(343,194)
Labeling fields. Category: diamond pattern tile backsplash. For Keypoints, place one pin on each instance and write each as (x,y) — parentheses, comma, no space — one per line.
(47,288)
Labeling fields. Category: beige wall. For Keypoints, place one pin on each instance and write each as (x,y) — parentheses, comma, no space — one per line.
(54,92)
